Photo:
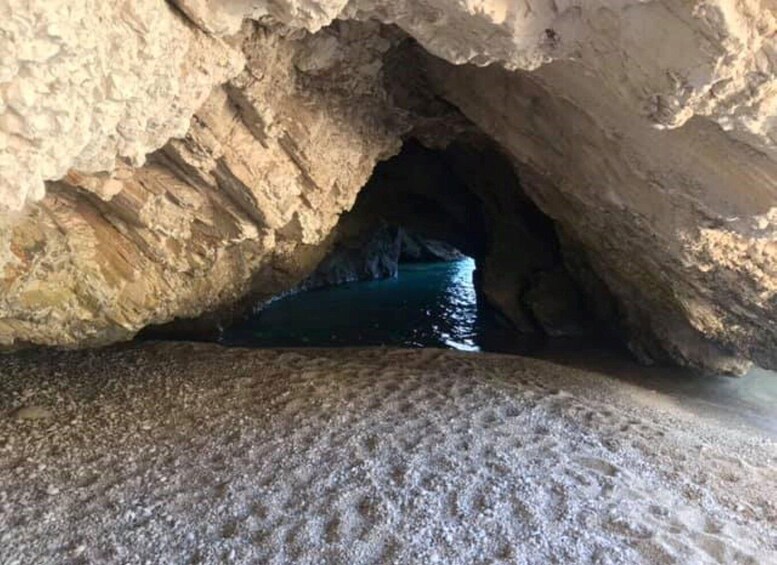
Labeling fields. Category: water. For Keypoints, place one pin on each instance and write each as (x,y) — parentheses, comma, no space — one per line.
(435,305)
(427,305)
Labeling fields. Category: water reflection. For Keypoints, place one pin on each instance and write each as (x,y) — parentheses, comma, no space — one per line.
(428,305)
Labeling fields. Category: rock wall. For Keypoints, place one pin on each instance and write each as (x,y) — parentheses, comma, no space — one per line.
(663,215)
(238,206)
(83,83)
(645,130)
(369,252)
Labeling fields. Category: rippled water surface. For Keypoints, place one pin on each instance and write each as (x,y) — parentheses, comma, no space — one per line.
(427,305)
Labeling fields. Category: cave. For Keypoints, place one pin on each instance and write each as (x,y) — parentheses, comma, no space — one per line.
(427,205)
(229,196)
(172,172)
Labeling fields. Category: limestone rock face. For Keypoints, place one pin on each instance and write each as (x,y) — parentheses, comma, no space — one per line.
(194,158)
(663,215)
(239,204)
(372,254)
(83,83)
(670,59)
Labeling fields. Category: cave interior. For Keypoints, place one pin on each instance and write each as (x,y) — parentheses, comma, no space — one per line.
(462,200)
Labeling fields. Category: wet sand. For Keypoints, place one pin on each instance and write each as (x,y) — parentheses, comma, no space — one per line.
(183,453)
(748,402)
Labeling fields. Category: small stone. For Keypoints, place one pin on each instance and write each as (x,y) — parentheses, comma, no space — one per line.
(32,413)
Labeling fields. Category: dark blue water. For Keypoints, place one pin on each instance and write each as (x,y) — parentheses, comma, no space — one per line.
(426,305)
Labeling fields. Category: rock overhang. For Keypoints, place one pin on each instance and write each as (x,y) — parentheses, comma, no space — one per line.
(644,130)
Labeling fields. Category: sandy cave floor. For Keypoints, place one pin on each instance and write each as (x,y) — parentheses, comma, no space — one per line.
(183,453)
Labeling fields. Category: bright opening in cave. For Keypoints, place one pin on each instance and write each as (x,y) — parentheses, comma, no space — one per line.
(433,254)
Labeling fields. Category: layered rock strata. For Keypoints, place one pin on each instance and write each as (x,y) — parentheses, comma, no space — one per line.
(241,203)
(645,131)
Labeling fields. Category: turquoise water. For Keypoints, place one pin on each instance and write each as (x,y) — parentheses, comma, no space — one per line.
(426,305)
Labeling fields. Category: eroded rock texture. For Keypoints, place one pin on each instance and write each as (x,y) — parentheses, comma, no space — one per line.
(645,131)
(240,203)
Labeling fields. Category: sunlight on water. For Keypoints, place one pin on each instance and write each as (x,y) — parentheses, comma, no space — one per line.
(427,305)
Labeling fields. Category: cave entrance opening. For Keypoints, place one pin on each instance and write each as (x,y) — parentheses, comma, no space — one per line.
(421,305)
(441,248)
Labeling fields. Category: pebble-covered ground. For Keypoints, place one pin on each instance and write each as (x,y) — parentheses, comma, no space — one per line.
(182,453)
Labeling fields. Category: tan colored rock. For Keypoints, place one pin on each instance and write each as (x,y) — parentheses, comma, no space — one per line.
(661,213)
(77,93)
(240,204)
(669,60)
(646,130)
(83,83)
